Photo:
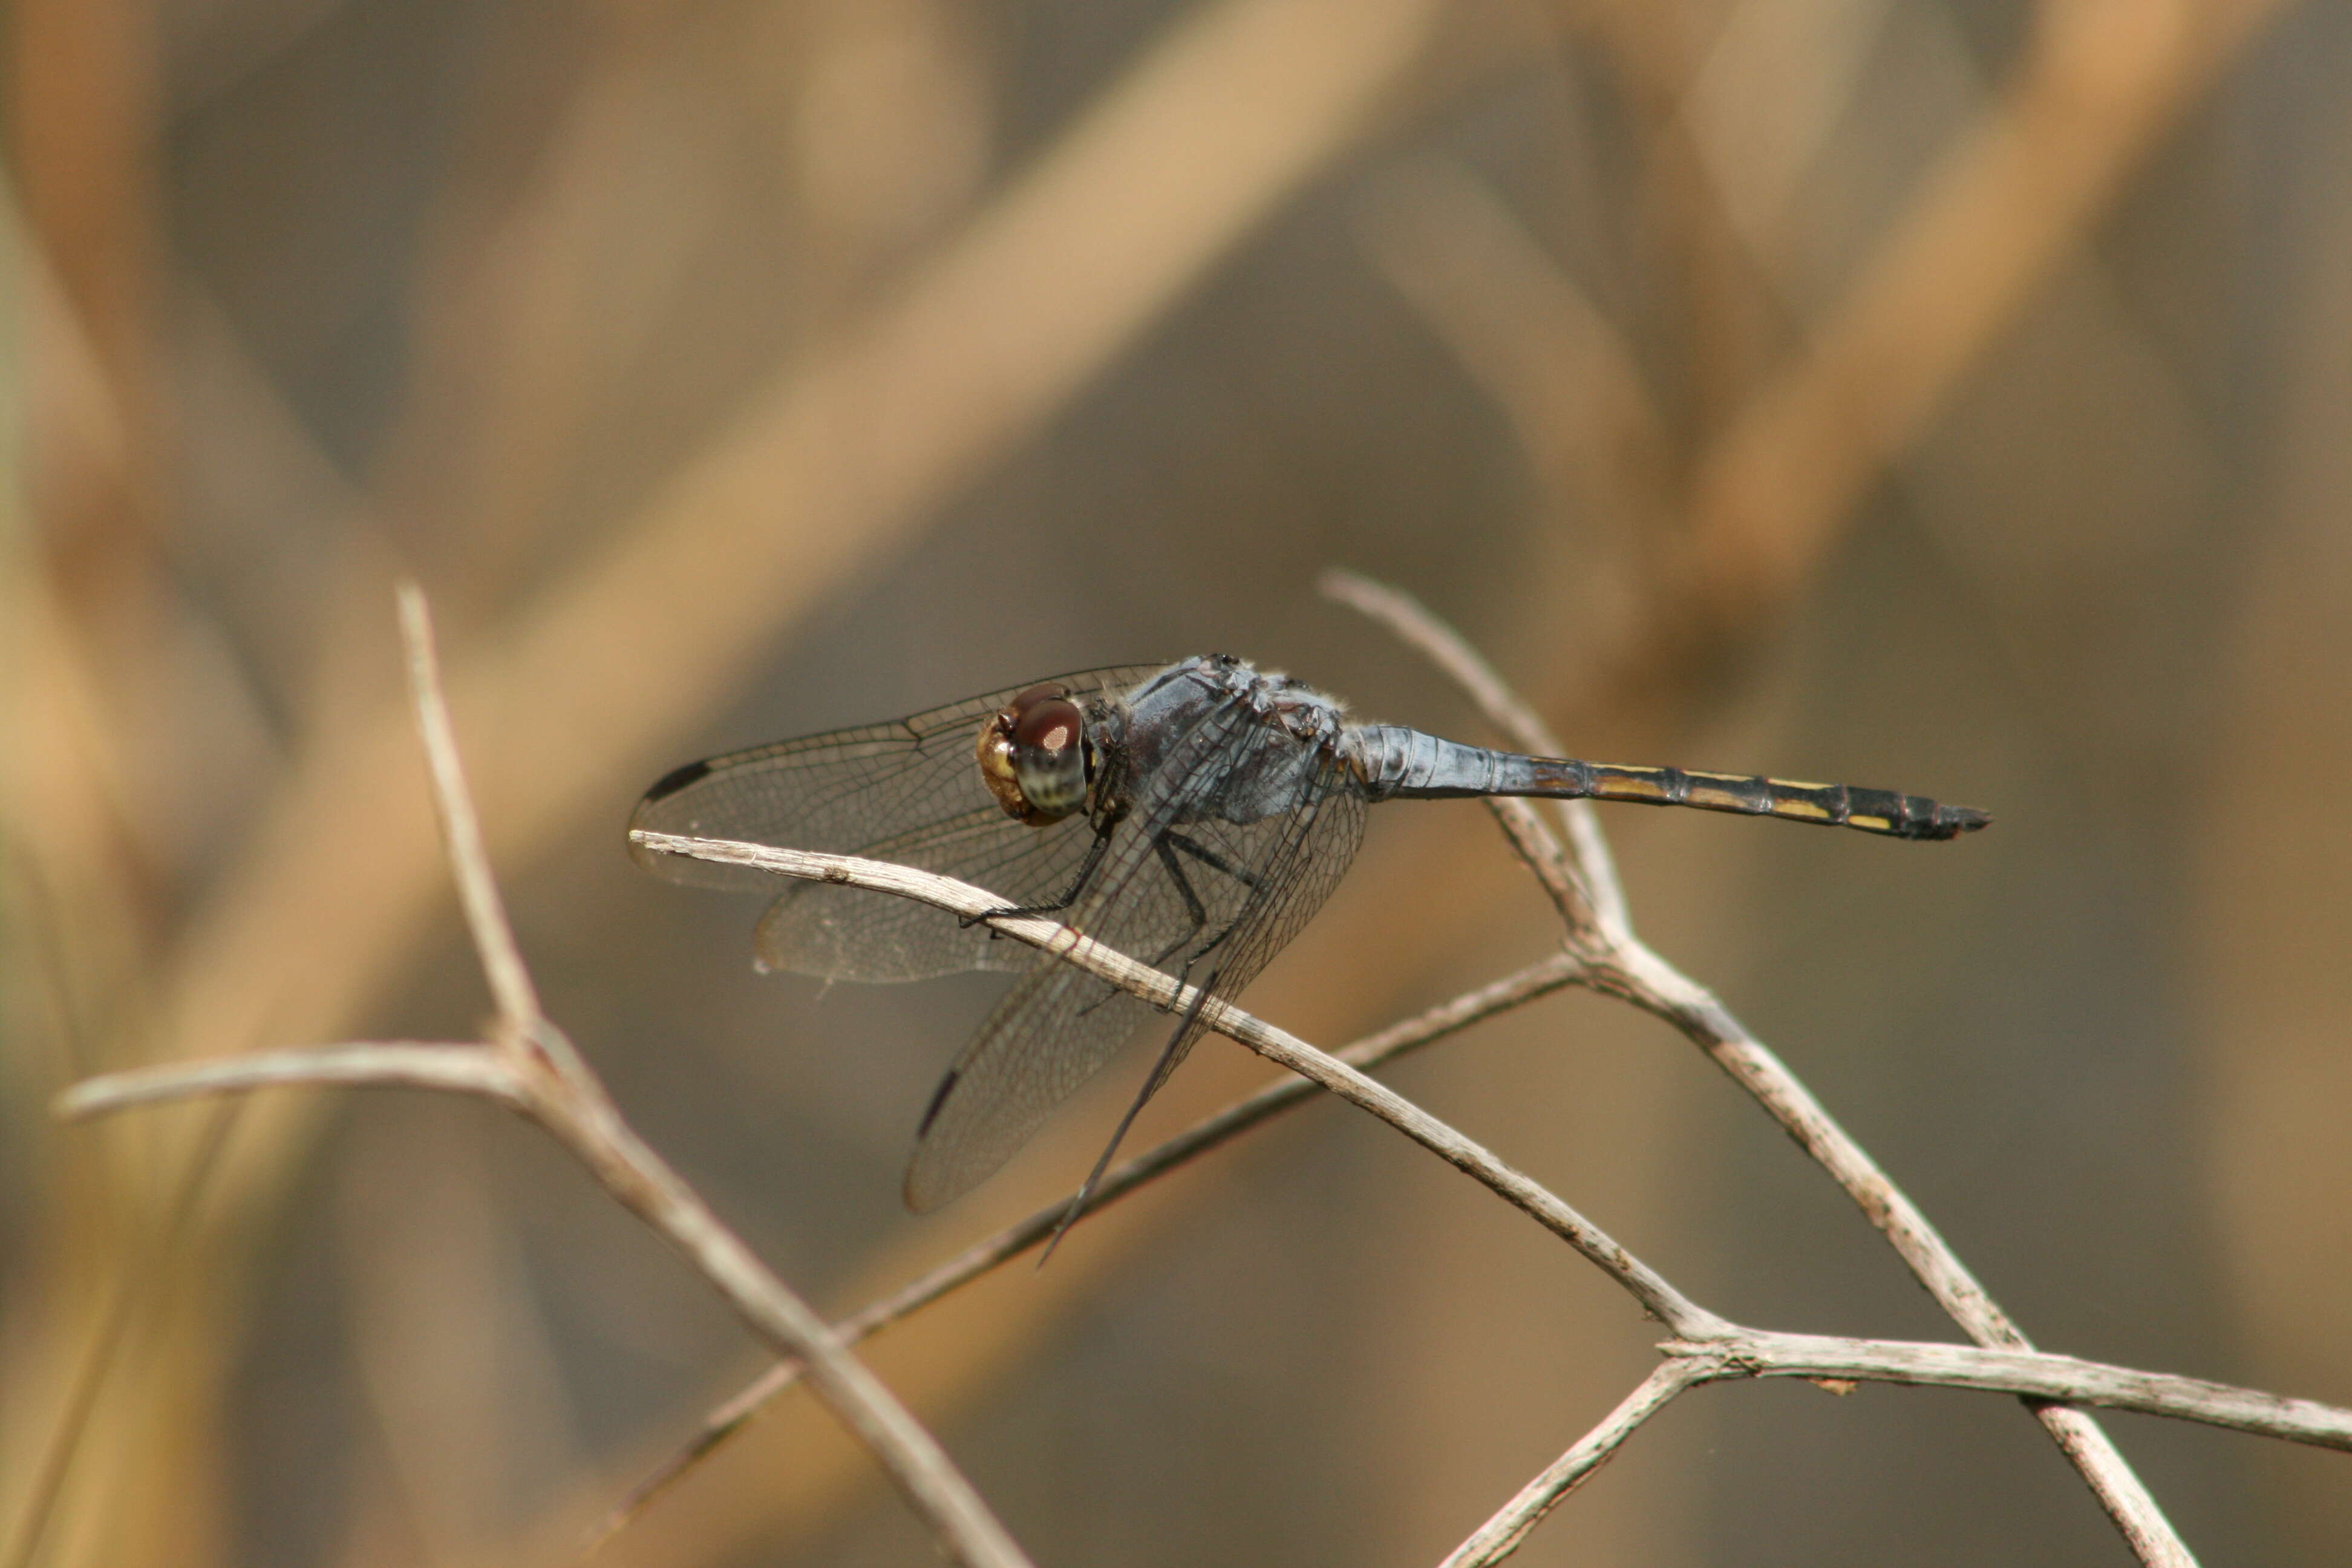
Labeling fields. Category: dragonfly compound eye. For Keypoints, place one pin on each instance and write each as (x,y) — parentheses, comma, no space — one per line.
(1033,756)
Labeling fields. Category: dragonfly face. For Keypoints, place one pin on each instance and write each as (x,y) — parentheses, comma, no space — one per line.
(1035,756)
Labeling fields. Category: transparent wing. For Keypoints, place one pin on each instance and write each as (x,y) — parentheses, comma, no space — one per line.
(1302,856)
(908,792)
(1213,900)
(1052,1031)
(850,934)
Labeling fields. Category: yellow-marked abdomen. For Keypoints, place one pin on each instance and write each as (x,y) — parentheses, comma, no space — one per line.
(1396,763)
(1879,811)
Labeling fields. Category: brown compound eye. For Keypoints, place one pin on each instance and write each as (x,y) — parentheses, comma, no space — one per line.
(1049,756)
(1033,755)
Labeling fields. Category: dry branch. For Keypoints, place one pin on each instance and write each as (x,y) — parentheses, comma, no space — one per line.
(1374,1050)
(1717,1349)
(1748,1352)
(975,346)
(1500,1536)
(961,899)
(1618,963)
(450,1066)
(528,1066)
(2032,1374)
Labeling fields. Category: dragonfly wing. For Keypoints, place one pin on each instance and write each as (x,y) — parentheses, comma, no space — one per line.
(1178,888)
(1299,858)
(1057,1025)
(908,792)
(852,933)
(1004,1085)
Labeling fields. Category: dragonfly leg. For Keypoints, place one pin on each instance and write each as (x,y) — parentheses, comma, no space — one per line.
(1216,862)
(1077,884)
(1165,846)
(1209,858)
(1159,847)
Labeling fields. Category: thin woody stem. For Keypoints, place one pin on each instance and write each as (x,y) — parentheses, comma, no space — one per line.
(1621,965)
(1374,1050)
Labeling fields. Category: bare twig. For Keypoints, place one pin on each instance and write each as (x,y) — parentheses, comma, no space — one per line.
(2034,1374)
(724,1421)
(529,1065)
(1717,1350)
(1739,1350)
(1620,964)
(1595,870)
(1500,1536)
(1514,1186)
(461,830)
(401,1064)
(2031,1374)
(1657,987)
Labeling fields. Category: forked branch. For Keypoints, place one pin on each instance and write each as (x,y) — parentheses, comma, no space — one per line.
(964,901)
(528,1066)
(1713,1351)
(1372,1051)
(1584,888)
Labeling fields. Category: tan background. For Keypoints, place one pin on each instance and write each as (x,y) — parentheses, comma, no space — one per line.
(1945,396)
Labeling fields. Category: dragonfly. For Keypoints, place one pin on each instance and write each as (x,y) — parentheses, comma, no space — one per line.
(1193,814)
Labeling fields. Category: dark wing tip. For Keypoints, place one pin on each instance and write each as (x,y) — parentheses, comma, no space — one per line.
(923,1194)
(670,867)
(674,781)
(939,1099)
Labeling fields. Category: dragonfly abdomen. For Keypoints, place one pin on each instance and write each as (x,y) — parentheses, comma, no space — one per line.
(1883,811)
(1397,763)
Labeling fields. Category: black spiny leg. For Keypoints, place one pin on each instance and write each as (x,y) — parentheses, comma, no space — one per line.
(1216,862)
(1087,868)
(1165,846)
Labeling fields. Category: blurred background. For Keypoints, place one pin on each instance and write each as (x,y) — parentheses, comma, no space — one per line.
(1944,395)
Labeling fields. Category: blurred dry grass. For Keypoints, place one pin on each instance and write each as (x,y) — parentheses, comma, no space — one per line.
(1948,395)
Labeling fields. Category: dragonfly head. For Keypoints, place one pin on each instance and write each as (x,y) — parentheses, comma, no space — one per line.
(1035,756)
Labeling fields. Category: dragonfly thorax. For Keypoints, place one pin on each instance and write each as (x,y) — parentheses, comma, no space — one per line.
(1035,756)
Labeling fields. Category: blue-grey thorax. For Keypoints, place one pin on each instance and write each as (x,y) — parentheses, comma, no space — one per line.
(1290,739)
(1182,719)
